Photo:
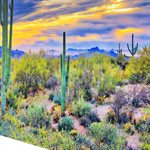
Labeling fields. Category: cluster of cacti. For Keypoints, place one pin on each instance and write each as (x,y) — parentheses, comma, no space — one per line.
(133,50)
(64,73)
(5,7)
(119,51)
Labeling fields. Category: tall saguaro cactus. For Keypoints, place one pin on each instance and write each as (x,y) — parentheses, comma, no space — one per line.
(64,74)
(5,8)
(133,50)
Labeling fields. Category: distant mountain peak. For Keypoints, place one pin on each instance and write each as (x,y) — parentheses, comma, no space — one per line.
(14,54)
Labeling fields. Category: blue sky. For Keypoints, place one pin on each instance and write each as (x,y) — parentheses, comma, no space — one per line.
(88,23)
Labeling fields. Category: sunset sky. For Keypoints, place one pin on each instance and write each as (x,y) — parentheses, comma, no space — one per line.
(88,23)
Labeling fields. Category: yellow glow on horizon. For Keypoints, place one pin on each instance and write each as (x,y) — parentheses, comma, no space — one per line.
(29,32)
(121,33)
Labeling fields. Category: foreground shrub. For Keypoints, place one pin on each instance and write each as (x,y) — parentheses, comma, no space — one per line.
(14,98)
(89,118)
(136,78)
(31,72)
(57,99)
(80,108)
(84,142)
(85,121)
(139,68)
(66,124)
(106,136)
(36,116)
(145,139)
(128,127)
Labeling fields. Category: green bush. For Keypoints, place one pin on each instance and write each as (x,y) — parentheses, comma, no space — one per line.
(145,139)
(36,116)
(147,80)
(31,72)
(106,136)
(136,78)
(80,108)
(93,116)
(66,123)
(138,68)
(57,99)
(85,121)
(13,98)
(145,147)
(89,118)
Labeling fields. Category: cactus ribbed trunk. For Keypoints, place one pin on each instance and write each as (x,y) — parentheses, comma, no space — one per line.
(119,51)
(6,48)
(10,43)
(64,74)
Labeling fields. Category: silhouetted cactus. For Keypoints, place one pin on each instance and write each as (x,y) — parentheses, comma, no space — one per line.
(64,74)
(6,47)
(134,49)
(119,51)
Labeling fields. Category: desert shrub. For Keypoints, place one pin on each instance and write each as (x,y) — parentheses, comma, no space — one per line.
(143,124)
(89,118)
(136,78)
(84,142)
(92,115)
(106,86)
(57,99)
(121,61)
(51,96)
(111,117)
(56,117)
(128,127)
(147,80)
(85,121)
(52,82)
(36,116)
(120,101)
(80,108)
(73,133)
(66,123)
(106,136)
(61,140)
(14,97)
(145,139)
(145,146)
(94,72)
(138,68)
(6,128)
(31,72)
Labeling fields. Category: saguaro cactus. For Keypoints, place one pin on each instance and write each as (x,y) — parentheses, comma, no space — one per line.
(119,51)
(5,7)
(64,74)
(134,49)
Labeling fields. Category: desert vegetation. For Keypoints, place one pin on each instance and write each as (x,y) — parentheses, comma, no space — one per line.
(95,103)
(104,109)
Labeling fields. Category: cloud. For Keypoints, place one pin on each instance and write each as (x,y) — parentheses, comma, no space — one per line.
(40,23)
(122,33)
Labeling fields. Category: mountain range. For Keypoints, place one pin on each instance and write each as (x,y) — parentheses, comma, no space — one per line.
(74,53)
(15,53)
(90,52)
